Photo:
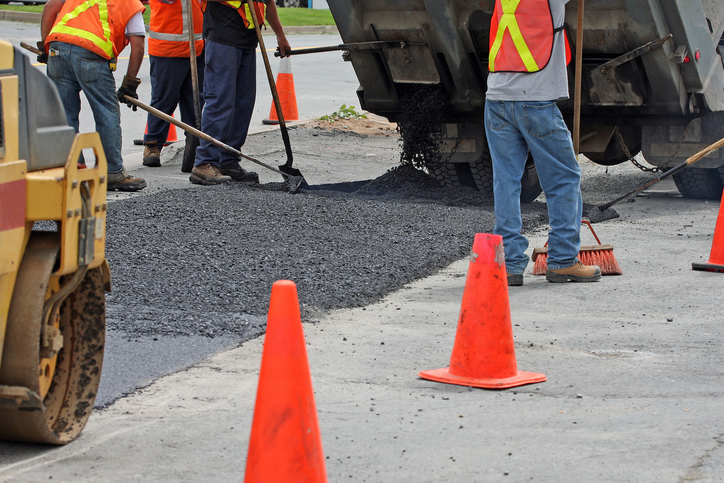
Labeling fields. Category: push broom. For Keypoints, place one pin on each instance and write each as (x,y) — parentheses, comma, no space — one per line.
(599,255)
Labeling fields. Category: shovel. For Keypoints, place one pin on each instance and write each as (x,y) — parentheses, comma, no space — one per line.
(605,212)
(287,167)
(292,182)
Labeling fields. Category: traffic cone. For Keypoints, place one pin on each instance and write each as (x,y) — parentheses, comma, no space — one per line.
(484,354)
(287,94)
(285,442)
(716,257)
(171,138)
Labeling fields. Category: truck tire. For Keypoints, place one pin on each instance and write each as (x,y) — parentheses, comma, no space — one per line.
(479,175)
(700,183)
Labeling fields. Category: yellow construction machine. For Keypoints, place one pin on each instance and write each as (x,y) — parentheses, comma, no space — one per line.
(53,272)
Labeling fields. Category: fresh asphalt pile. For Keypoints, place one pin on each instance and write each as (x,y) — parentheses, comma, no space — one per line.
(201,261)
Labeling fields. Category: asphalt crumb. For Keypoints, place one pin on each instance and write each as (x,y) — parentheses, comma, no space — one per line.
(201,261)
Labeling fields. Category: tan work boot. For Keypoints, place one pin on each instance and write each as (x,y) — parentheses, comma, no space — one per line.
(207,174)
(152,155)
(575,273)
(127,183)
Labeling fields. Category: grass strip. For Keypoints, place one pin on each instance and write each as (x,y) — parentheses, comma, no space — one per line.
(292,17)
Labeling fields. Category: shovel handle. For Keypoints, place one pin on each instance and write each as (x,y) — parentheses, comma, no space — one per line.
(200,134)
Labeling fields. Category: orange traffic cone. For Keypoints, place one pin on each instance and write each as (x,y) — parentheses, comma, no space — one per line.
(716,257)
(172,137)
(287,94)
(285,441)
(483,354)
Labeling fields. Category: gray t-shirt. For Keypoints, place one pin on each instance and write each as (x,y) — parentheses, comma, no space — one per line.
(549,84)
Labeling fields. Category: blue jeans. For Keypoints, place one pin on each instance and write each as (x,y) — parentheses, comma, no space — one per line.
(75,69)
(229,97)
(513,128)
(171,85)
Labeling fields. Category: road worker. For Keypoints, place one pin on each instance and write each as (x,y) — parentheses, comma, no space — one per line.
(527,63)
(171,75)
(230,85)
(82,40)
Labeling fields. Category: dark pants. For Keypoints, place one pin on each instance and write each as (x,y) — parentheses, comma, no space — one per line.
(171,85)
(229,99)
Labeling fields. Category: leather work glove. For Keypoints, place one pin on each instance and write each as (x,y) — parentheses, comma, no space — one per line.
(128,88)
(42,58)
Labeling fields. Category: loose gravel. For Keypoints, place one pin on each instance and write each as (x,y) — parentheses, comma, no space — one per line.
(201,261)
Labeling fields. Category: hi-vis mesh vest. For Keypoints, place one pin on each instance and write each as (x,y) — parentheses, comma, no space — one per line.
(521,36)
(168,34)
(95,25)
(243,8)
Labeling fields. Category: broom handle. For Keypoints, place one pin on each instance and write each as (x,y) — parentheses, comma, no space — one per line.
(578,80)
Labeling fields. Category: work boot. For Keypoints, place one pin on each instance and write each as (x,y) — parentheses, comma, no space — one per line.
(575,273)
(152,154)
(207,174)
(240,175)
(515,279)
(124,182)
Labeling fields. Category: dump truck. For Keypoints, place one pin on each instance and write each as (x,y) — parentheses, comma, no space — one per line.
(652,82)
(53,271)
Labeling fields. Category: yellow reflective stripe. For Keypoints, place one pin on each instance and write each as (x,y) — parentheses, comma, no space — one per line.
(249,17)
(508,22)
(105,44)
(234,4)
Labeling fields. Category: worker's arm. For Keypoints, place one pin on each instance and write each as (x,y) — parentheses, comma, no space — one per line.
(50,14)
(136,57)
(272,16)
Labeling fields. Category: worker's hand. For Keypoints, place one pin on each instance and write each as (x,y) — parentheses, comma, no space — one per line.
(128,88)
(283,46)
(42,58)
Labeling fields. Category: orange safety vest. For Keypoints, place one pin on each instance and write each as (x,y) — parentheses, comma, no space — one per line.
(95,25)
(521,36)
(168,34)
(259,6)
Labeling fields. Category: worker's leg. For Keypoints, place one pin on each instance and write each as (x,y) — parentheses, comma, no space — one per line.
(167,76)
(244,108)
(186,98)
(220,84)
(61,71)
(560,177)
(96,80)
(509,153)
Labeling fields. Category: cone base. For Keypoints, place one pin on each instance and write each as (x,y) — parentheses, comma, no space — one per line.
(270,121)
(520,379)
(708,267)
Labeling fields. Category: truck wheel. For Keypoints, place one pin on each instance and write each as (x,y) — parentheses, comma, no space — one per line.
(700,183)
(479,175)
(60,380)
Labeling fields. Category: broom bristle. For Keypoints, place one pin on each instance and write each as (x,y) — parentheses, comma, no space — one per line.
(604,259)
(540,267)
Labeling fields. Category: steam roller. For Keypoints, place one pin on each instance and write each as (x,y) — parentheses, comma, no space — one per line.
(53,272)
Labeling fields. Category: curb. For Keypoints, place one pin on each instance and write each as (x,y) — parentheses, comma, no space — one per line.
(33,17)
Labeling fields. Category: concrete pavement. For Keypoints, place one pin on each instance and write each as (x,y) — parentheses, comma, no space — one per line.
(634,366)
